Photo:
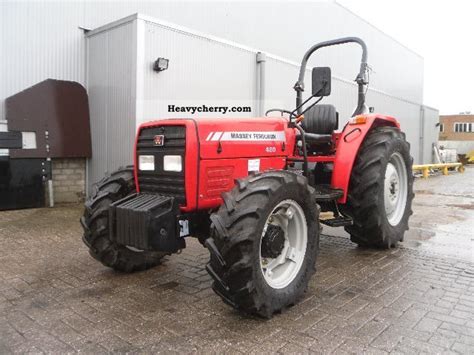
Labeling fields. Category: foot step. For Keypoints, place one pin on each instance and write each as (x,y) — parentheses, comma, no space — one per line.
(339,221)
(327,193)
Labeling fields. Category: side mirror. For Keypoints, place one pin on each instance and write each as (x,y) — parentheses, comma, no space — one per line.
(321,81)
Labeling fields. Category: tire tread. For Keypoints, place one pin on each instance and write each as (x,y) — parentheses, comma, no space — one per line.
(363,204)
(232,232)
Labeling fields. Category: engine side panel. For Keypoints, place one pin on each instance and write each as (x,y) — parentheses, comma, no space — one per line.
(348,144)
(234,148)
(218,175)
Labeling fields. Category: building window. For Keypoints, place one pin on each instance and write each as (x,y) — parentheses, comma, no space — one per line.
(461,127)
(441,127)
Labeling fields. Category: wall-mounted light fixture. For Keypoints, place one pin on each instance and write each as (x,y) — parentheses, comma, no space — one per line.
(160,64)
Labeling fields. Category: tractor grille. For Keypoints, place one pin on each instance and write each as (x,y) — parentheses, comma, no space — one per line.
(168,183)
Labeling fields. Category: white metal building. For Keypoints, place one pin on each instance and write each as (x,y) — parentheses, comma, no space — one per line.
(212,49)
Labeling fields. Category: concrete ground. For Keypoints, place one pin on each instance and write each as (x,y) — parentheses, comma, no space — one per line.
(418,298)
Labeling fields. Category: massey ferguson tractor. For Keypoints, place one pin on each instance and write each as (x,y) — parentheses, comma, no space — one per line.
(254,191)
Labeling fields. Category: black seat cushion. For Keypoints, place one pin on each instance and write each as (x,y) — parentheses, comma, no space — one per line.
(320,119)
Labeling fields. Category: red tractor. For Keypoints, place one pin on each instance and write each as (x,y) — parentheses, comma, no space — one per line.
(252,189)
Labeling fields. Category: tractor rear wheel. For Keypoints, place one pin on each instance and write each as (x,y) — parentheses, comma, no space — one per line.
(381,189)
(95,222)
(264,240)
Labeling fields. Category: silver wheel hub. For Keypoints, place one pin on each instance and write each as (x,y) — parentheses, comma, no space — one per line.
(395,189)
(280,270)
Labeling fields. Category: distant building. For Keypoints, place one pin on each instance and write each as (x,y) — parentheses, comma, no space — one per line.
(457,132)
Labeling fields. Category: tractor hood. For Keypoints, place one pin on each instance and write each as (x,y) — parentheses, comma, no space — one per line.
(221,138)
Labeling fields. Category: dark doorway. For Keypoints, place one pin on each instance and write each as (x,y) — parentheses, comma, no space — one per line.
(21,183)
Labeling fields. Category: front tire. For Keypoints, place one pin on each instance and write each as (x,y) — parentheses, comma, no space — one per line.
(264,240)
(95,223)
(381,189)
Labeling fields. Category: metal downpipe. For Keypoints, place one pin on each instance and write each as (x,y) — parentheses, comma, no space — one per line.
(261,59)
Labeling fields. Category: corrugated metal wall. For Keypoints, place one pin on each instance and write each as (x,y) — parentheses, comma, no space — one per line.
(201,71)
(41,39)
(286,29)
(110,82)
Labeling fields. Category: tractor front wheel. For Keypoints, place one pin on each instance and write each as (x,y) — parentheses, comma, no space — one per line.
(381,189)
(96,226)
(264,240)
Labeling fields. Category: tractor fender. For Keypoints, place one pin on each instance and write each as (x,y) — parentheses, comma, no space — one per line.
(348,145)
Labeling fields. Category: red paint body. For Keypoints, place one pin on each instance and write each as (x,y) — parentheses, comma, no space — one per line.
(214,159)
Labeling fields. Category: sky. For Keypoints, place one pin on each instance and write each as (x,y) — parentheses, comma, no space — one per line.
(442,32)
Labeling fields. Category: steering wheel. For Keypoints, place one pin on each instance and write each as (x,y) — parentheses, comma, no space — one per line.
(282,111)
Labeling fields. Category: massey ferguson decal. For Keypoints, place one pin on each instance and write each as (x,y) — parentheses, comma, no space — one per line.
(247,136)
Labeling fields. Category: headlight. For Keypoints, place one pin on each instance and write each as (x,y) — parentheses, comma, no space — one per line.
(172,163)
(146,162)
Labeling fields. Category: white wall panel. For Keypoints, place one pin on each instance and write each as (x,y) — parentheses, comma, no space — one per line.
(110,84)
(97,89)
(287,29)
(201,72)
(430,132)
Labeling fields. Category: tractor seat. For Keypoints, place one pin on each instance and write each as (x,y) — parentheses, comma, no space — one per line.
(321,119)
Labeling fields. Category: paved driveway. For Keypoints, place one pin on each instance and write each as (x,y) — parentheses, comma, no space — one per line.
(418,298)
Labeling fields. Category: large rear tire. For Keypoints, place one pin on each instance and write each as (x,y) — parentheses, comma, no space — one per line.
(264,240)
(381,189)
(95,222)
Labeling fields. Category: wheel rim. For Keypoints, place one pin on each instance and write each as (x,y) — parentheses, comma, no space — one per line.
(395,189)
(282,269)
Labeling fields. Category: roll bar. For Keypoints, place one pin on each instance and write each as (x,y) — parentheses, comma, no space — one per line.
(360,79)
